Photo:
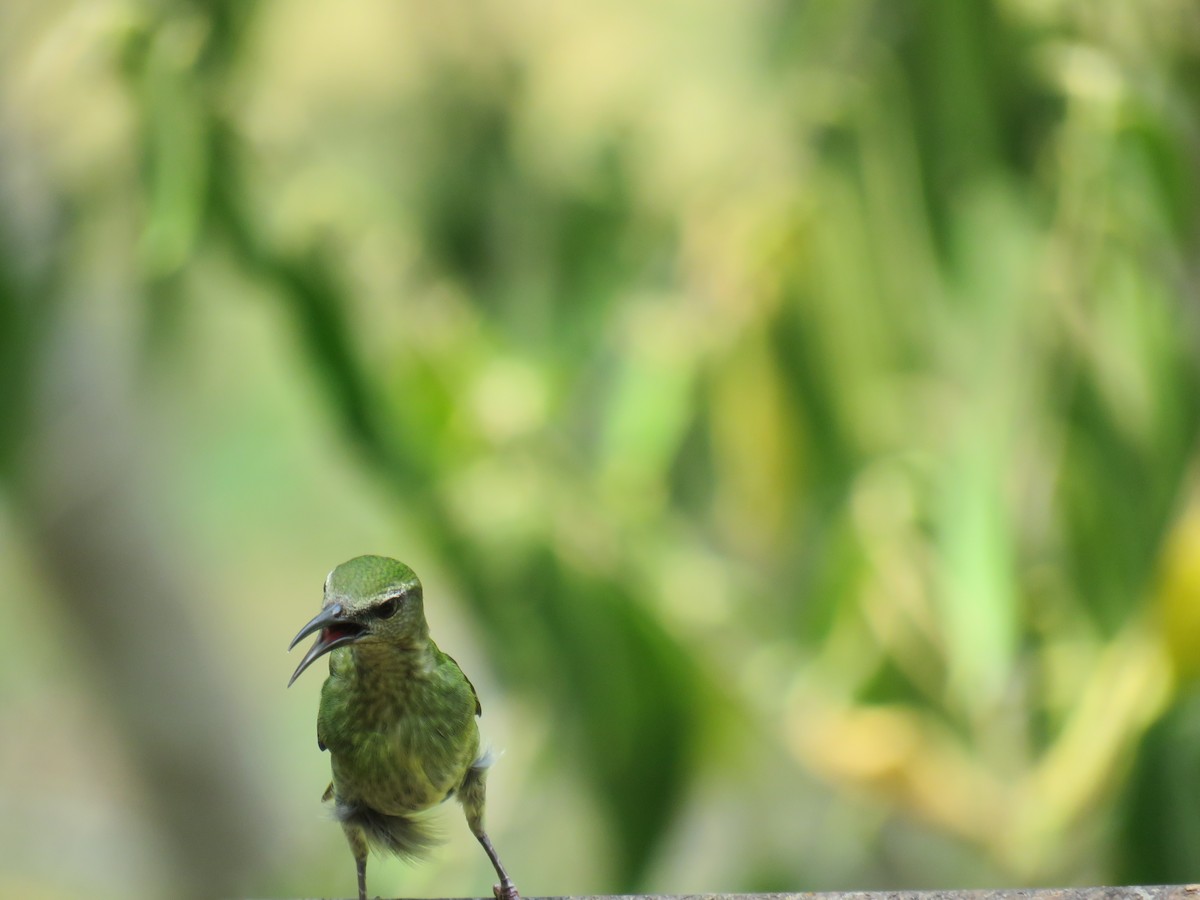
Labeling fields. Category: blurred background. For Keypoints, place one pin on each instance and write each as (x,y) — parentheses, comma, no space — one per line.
(790,407)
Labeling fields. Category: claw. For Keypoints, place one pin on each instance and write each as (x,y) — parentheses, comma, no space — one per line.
(506,891)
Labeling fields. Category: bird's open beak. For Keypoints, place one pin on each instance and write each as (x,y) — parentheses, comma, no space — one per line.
(336,631)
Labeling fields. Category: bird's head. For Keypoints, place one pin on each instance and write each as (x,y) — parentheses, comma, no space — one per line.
(369,598)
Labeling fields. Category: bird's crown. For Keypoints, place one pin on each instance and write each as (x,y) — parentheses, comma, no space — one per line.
(366,581)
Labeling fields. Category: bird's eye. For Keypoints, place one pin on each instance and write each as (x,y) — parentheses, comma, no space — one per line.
(388,607)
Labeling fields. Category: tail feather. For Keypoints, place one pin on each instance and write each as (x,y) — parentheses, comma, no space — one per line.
(409,837)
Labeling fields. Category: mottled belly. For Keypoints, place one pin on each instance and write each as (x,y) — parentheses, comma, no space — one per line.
(395,777)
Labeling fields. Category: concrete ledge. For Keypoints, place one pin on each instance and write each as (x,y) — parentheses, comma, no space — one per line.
(1154,892)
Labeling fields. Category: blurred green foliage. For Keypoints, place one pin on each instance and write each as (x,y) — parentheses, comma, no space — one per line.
(797,400)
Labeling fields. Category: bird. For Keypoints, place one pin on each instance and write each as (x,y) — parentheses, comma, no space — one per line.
(397,716)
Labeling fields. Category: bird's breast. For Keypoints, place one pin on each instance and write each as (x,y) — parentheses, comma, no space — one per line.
(396,751)
(407,767)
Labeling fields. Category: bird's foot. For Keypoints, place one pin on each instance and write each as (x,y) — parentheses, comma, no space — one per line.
(506,890)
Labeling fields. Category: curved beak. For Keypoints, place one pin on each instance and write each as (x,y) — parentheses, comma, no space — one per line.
(336,631)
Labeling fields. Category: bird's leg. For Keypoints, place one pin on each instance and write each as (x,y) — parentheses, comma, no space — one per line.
(505,890)
(471,795)
(358,846)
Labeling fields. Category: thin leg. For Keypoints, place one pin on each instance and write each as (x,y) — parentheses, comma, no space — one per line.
(470,795)
(358,846)
(505,890)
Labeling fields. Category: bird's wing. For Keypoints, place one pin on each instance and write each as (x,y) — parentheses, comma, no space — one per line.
(321,711)
(474,693)
(340,666)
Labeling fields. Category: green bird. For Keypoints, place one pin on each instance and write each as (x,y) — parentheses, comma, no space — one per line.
(397,716)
